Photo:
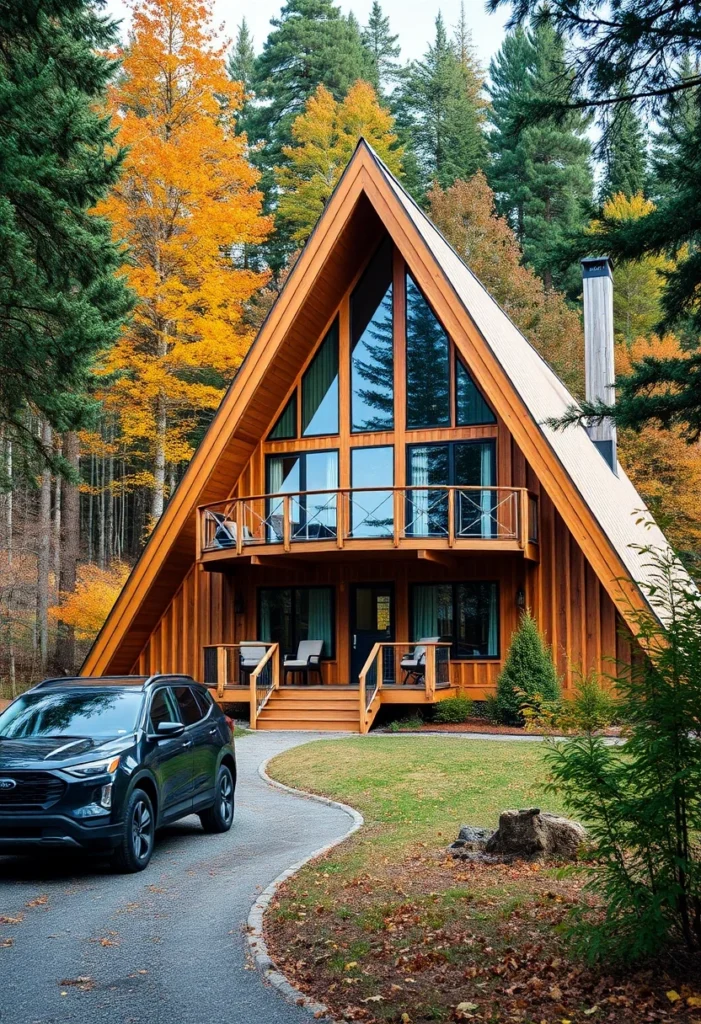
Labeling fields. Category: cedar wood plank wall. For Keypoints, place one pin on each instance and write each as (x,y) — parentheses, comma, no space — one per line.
(574,611)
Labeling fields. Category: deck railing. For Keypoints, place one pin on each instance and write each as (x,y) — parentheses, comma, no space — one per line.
(342,516)
(398,664)
(222,668)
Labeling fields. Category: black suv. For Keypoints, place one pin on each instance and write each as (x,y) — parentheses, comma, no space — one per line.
(102,763)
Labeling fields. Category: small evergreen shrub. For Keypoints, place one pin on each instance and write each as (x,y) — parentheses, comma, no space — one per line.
(529,670)
(414,721)
(491,709)
(591,708)
(453,710)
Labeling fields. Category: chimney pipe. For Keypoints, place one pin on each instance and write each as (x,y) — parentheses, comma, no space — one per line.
(597,284)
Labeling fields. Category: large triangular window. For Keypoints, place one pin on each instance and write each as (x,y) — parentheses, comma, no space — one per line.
(471,408)
(286,424)
(320,389)
(427,364)
(372,349)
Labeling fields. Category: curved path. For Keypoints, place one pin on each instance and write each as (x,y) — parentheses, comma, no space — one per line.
(166,946)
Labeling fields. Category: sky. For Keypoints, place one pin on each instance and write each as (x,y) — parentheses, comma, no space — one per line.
(412,20)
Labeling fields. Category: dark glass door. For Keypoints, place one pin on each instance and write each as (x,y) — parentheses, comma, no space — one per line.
(372,621)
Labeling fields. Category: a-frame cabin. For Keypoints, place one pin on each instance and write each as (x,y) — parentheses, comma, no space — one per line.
(381,472)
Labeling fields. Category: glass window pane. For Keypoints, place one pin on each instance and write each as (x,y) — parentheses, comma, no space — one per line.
(432,611)
(284,477)
(314,515)
(476,512)
(320,389)
(372,512)
(372,354)
(314,616)
(427,366)
(477,627)
(190,711)
(275,622)
(427,510)
(286,425)
(471,406)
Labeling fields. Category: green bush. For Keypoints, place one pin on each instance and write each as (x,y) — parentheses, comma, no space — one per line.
(491,709)
(409,722)
(529,670)
(453,710)
(591,707)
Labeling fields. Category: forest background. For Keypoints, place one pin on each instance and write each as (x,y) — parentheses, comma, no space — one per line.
(156,189)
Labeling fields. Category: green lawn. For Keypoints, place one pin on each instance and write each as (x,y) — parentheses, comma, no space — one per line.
(389,928)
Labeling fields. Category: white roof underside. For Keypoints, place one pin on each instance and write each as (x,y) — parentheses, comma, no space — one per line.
(614,501)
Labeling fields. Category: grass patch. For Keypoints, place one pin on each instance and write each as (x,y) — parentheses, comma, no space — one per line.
(388,925)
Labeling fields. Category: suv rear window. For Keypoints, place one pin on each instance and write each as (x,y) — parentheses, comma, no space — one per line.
(189,708)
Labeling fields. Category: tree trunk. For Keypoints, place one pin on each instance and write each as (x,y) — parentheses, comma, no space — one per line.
(44,555)
(159,467)
(70,551)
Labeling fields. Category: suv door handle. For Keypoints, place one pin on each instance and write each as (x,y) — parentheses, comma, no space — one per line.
(213,731)
(187,743)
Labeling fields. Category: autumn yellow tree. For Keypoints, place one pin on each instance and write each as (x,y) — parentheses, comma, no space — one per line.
(638,284)
(465,213)
(325,137)
(186,206)
(87,607)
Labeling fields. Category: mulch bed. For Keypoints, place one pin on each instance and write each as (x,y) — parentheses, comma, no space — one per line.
(479,725)
(434,939)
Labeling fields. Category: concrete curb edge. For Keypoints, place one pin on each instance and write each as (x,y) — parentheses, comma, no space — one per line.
(254,929)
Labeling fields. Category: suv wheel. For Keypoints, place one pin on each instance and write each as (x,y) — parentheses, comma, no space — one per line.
(138,833)
(220,816)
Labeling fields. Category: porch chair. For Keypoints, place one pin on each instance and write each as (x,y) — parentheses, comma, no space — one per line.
(225,531)
(307,660)
(414,665)
(250,656)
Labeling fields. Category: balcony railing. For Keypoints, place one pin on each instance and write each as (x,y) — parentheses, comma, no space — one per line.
(223,668)
(342,516)
(426,665)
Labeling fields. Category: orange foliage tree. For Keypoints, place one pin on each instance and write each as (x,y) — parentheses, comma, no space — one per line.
(664,467)
(326,135)
(87,607)
(465,213)
(186,205)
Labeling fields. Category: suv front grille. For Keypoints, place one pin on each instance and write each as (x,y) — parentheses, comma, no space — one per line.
(33,789)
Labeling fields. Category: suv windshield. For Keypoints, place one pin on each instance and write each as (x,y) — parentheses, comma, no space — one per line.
(90,713)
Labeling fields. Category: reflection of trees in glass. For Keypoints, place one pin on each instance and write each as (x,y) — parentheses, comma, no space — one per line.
(373,371)
(428,388)
(72,714)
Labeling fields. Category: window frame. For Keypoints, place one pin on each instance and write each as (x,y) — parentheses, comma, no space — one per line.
(454,584)
(293,611)
(450,445)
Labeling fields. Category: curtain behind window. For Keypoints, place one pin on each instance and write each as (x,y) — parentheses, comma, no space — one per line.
(320,389)
(319,617)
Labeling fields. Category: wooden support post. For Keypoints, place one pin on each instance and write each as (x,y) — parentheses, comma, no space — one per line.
(397,512)
(198,538)
(221,671)
(239,527)
(340,518)
(451,516)
(286,523)
(430,678)
(253,699)
(523,518)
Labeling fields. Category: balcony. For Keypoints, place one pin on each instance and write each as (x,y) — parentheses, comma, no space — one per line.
(385,518)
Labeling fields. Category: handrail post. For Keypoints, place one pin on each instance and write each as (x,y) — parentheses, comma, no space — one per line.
(361,699)
(286,524)
(397,512)
(451,517)
(523,518)
(430,678)
(239,527)
(253,698)
(198,538)
(340,518)
(221,670)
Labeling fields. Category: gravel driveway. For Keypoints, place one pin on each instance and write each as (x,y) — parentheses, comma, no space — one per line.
(165,946)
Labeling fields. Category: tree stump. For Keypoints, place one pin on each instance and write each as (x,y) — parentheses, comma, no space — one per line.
(535,835)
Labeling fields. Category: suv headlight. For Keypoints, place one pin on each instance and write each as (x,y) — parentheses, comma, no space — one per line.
(107,765)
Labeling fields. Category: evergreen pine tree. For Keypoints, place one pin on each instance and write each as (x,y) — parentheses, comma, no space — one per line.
(677,123)
(60,302)
(443,115)
(541,172)
(528,668)
(625,156)
(242,57)
(383,49)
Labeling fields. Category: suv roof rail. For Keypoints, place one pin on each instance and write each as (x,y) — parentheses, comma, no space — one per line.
(139,680)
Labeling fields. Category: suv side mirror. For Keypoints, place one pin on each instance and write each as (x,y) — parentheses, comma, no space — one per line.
(168,730)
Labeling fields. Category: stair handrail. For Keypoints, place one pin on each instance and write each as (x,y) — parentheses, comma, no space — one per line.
(363,702)
(256,704)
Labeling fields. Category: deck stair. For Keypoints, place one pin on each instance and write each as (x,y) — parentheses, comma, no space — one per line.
(314,708)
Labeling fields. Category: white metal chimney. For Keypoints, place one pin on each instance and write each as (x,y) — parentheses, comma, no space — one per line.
(597,283)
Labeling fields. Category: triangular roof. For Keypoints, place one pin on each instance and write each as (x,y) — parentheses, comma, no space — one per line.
(602,510)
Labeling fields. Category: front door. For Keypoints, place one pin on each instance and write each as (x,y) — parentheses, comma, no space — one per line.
(372,621)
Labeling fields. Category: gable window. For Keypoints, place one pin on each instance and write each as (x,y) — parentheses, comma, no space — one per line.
(286,424)
(427,364)
(312,516)
(288,615)
(471,408)
(320,389)
(464,614)
(466,464)
(372,354)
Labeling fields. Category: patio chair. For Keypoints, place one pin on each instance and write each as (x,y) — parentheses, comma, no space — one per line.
(225,531)
(250,656)
(306,661)
(414,665)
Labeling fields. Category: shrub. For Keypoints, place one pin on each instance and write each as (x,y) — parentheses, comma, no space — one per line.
(414,721)
(539,714)
(529,670)
(642,801)
(454,709)
(491,709)
(591,707)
